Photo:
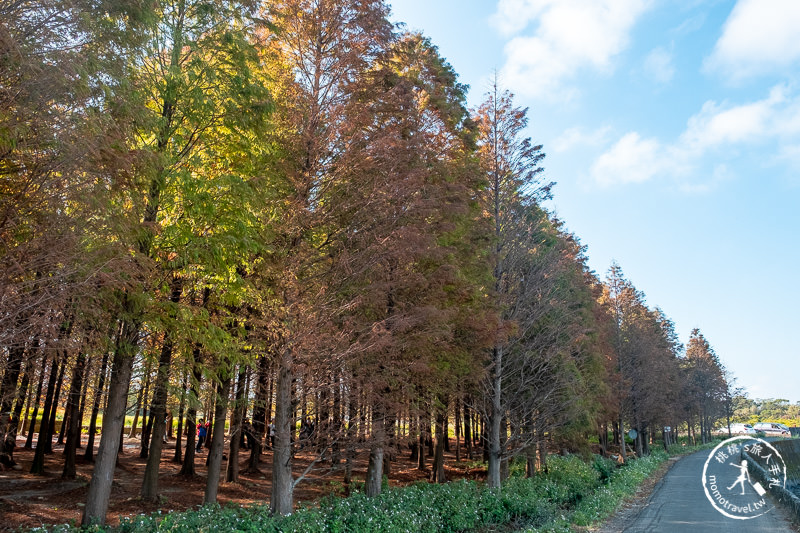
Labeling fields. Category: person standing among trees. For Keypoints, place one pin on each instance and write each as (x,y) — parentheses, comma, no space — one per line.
(272,434)
(201,434)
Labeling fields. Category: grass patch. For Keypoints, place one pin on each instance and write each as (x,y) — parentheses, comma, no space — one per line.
(572,492)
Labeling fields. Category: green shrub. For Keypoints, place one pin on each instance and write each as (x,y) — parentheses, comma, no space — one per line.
(572,491)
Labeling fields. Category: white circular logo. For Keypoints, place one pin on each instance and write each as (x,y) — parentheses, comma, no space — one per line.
(730,482)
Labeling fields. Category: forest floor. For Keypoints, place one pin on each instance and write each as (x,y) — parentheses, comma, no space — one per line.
(28,500)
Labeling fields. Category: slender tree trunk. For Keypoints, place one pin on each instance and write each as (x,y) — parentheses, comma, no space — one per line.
(37,467)
(217,441)
(421,463)
(113,422)
(74,431)
(23,421)
(352,433)
(542,453)
(187,469)
(147,418)
(211,409)
(336,422)
(232,470)
(179,435)
(446,429)
(458,428)
(136,410)
(621,424)
(260,408)
(638,441)
(8,386)
(414,433)
(495,453)
(282,497)
(375,466)
(158,410)
(23,395)
(82,408)
(437,471)
(157,421)
(29,439)
(467,432)
(98,397)
(48,444)
(503,445)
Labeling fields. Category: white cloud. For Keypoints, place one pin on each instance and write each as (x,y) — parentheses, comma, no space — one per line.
(759,37)
(778,115)
(658,65)
(630,160)
(579,137)
(718,129)
(570,35)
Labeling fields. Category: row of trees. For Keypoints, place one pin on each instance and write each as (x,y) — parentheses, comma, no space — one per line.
(284,210)
(766,410)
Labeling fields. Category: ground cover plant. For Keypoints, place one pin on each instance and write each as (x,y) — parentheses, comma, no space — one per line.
(573,491)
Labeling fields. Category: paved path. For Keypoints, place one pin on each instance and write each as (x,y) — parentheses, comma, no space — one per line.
(679,504)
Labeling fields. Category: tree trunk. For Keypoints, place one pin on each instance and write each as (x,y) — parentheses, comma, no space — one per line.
(414,433)
(352,432)
(113,422)
(37,467)
(375,468)
(282,497)
(187,469)
(467,432)
(8,386)
(503,444)
(217,441)
(446,429)
(23,421)
(542,453)
(421,462)
(437,472)
(29,439)
(260,408)
(135,422)
(336,423)
(179,435)
(158,409)
(48,444)
(23,395)
(232,470)
(82,408)
(74,431)
(621,424)
(638,442)
(98,396)
(147,418)
(495,456)
(458,429)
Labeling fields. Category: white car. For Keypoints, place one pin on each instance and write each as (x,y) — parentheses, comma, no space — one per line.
(737,429)
(773,429)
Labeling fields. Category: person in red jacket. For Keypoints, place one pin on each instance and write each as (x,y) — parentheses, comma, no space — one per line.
(202,431)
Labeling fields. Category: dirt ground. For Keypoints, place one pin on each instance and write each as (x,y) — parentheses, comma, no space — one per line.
(28,500)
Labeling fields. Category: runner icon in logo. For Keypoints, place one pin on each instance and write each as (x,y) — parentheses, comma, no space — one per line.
(743,474)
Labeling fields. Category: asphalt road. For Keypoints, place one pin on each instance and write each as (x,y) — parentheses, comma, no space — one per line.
(679,504)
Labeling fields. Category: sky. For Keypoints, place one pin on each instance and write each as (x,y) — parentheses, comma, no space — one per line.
(672,130)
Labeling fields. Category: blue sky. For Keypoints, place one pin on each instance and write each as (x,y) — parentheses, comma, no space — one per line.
(673,131)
